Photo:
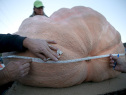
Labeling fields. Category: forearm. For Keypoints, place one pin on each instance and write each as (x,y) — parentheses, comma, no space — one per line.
(3,78)
(10,42)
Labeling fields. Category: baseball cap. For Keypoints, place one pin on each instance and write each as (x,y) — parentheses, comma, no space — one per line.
(38,4)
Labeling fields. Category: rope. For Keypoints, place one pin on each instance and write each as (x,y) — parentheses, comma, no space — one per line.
(62,61)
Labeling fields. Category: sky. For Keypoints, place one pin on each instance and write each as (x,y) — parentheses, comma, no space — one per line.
(13,12)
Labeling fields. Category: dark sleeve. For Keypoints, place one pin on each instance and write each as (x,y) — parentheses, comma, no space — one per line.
(10,42)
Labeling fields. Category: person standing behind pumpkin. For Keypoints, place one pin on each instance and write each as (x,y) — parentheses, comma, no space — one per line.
(38,9)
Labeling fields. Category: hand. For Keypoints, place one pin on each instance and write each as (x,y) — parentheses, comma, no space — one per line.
(15,70)
(41,48)
(120,64)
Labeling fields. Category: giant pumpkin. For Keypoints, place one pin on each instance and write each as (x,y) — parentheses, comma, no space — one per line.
(79,32)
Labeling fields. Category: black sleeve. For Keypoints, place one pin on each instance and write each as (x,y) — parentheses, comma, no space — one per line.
(10,42)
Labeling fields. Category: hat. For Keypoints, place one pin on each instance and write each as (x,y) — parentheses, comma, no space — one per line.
(38,4)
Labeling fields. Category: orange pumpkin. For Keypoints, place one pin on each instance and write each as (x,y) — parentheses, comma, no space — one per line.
(80,32)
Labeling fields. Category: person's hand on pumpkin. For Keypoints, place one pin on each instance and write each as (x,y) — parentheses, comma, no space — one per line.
(41,48)
(120,64)
(14,70)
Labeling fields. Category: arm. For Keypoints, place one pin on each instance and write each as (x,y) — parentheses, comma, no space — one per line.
(10,42)
(40,48)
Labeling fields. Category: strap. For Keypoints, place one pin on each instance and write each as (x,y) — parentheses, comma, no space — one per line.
(61,61)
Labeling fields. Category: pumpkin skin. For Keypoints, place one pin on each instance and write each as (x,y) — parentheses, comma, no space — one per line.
(79,32)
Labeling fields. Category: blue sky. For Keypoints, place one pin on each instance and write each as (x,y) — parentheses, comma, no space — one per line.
(13,12)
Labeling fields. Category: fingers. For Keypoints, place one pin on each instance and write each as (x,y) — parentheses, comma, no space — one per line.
(49,51)
(112,65)
(112,61)
(25,61)
(24,72)
(24,69)
(26,65)
(46,52)
(53,47)
(51,41)
(41,56)
(51,54)
(113,57)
